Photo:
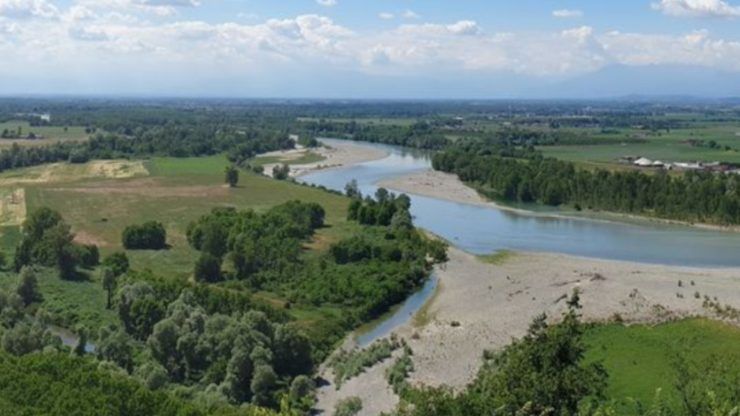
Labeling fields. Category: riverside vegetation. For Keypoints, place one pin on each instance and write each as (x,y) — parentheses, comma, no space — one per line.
(245,288)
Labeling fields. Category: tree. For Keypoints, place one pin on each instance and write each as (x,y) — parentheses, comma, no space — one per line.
(207,268)
(352,190)
(81,347)
(281,172)
(117,263)
(148,236)
(28,286)
(231,175)
(3,260)
(115,346)
(109,284)
(263,382)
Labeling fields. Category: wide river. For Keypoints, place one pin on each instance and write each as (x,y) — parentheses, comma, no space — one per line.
(486,229)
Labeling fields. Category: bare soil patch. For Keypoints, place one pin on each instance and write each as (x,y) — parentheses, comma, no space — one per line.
(12,207)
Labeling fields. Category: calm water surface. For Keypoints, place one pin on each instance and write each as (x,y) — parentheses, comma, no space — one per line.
(484,230)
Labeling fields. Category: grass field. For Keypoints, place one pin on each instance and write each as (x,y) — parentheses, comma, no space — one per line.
(49,134)
(175,192)
(639,358)
(669,146)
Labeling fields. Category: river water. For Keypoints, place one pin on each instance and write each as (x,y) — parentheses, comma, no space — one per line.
(486,230)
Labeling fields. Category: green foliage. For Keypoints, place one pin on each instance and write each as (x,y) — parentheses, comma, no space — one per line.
(281,172)
(88,255)
(349,364)
(350,406)
(47,241)
(693,196)
(256,242)
(231,176)
(117,263)
(543,373)
(148,236)
(139,308)
(28,286)
(207,268)
(399,371)
(58,384)
(116,346)
(249,357)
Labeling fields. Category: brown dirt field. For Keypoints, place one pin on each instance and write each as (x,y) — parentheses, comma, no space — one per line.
(150,188)
(12,207)
(64,172)
(83,237)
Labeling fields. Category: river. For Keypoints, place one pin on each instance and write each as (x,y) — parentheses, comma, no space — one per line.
(486,229)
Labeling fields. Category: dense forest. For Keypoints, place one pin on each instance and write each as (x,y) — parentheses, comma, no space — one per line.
(521,175)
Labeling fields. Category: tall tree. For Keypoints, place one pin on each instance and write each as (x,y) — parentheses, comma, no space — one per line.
(231,174)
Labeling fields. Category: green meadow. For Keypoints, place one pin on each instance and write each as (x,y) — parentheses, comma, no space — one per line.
(50,134)
(640,359)
(667,146)
(176,192)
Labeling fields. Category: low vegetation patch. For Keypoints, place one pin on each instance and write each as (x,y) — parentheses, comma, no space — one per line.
(349,364)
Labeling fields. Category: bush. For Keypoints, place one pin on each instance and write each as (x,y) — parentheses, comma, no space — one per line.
(281,172)
(207,268)
(88,255)
(148,236)
(117,263)
(348,407)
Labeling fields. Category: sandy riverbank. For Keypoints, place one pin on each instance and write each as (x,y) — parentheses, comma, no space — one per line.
(337,155)
(495,303)
(447,186)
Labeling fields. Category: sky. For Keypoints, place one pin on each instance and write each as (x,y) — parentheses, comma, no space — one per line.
(370,48)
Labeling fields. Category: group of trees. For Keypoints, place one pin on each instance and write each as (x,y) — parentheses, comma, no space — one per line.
(421,135)
(48,241)
(522,176)
(386,209)
(253,242)
(150,235)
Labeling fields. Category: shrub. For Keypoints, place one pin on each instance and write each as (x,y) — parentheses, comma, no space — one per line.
(148,236)
(117,263)
(88,255)
(348,407)
(207,268)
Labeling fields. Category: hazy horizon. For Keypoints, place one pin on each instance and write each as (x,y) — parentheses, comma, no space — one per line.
(347,49)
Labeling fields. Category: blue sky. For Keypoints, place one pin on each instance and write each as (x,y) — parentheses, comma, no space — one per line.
(373,49)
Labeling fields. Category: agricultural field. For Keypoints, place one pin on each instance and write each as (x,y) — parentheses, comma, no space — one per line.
(667,146)
(641,359)
(99,199)
(45,134)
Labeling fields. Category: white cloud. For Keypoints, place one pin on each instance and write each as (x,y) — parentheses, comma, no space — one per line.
(22,9)
(410,14)
(327,3)
(697,8)
(121,39)
(567,13)
(386,16)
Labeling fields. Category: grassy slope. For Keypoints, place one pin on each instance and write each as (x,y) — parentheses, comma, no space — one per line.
(198,182)
(638,358)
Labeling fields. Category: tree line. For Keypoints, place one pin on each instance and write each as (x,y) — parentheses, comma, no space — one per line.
(521,175)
